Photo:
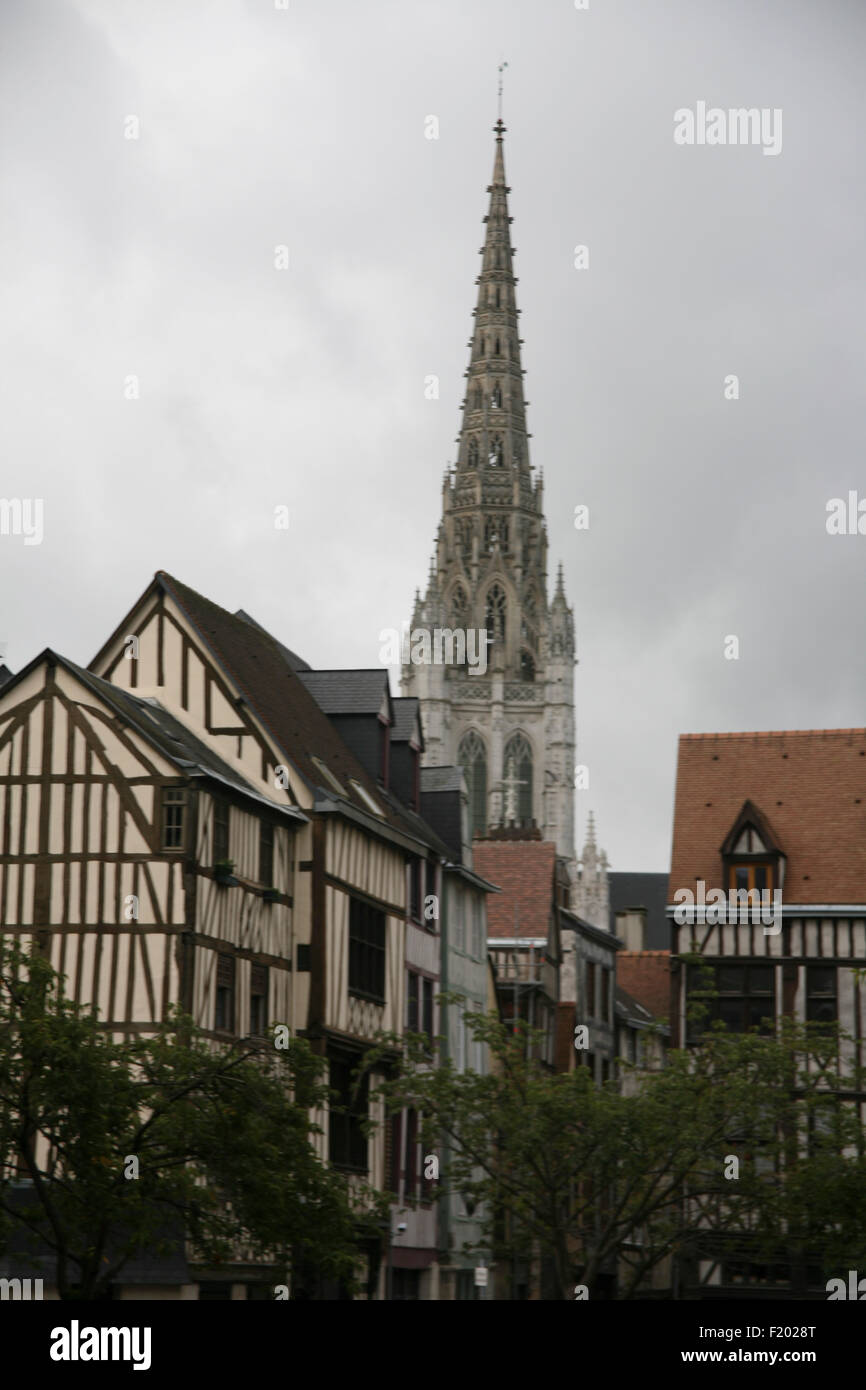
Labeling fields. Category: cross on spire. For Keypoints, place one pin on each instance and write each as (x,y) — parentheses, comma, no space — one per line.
(502,67)
(511,783)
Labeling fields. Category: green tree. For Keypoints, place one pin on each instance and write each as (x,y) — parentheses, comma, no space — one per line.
(595,1182)
(116,1148)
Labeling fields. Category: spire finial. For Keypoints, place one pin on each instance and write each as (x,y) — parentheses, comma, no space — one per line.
(499,125)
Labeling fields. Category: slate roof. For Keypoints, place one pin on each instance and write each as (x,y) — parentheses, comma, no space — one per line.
(296,662)
(276,692)
(406,716)
(441,779)
(810,786)
(347,692)
(630,1010)
(642,890)
(524,870)
(174,740)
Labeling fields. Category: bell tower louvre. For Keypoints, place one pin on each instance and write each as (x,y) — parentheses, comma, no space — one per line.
(507,720)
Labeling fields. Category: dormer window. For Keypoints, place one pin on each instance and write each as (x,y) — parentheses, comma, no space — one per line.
(751,877)
(752,859)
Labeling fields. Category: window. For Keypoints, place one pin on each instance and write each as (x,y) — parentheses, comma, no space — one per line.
(472,757)
(365,798)
(495,613)
(473,453)
(406,1285)
(518,762)
(477,927)
(266,853)
(740,995)
(415,889)
(412,1002)
(430,890)
(496,456)
(459,603)
(821,1002)
(527,666)
(258,1001)
(366,950)
(220,830)
(410,1161)
(605,994)
(394,1141)
(427,1016)
(224,1013)
(590,989)
(751,877)
(458,921)
(173,817)
(326,772)
(496,397)
(347,1143)
(460,1054)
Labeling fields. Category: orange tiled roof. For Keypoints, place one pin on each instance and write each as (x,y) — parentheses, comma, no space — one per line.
(810,786)
(646,976)
(524,870)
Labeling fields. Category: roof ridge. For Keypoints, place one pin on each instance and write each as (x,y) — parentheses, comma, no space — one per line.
(773,733)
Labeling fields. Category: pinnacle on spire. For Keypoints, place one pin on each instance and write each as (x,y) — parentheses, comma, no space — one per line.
(590,832)
(560,593)
(493,434)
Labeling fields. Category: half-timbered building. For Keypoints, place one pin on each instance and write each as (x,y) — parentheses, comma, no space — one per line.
(244,694)
(779,813)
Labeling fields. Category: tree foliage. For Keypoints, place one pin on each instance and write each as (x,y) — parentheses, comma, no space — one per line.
(222,1139)
(602,1186)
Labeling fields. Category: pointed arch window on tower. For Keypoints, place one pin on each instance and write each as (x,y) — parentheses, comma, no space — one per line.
(527,666)
(495,529)
(496,397)
(495,613)
(476,398)
(496,348)
(472,757)
(459,606)
(472,453)
(518,758)
(498,299)
(496,457)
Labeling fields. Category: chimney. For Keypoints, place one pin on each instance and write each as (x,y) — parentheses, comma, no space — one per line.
(631,928)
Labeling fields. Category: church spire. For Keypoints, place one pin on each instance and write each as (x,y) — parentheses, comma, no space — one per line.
(493,430)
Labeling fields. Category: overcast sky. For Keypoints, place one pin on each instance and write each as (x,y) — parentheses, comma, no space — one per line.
(305,127)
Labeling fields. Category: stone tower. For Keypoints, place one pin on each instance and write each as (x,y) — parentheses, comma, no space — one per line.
(511,727)
(591,896)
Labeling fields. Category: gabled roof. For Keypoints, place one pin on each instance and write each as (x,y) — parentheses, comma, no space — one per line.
(296,662)
(348,692)
(441,779)
(630,1011)
(524,870)
(809,785)
(161,730)
(256,663)
(407,719)
(750,815)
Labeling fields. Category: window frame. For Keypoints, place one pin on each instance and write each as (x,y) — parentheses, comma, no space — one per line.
(176,798)
(367,950)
